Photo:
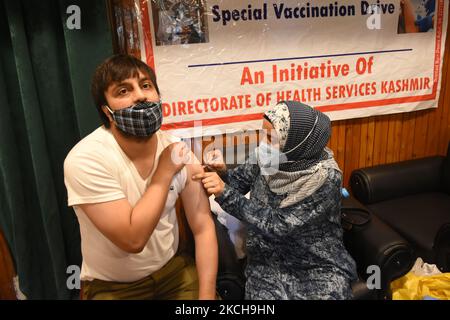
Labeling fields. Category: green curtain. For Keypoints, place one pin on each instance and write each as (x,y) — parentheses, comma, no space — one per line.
(45,109)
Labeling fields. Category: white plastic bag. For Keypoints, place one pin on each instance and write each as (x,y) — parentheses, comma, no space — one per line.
(422,268)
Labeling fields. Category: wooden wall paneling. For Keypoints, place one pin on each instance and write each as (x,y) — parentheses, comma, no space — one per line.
(384,138)
(444,101)
(380,133)
(349,149)
(444,119)
(407,134)
(356,137)
(418,124)
(445,126)
(398,136)
(334,140)
(420,134)
(390,147)
(432,138)
(430,129)
(376,142)
(363,142)
(370,142)
(340,156)
(396,124)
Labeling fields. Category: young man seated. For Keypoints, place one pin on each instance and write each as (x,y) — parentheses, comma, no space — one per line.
(123,181)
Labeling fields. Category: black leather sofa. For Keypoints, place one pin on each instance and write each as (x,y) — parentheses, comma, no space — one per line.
(413,197)
(377,249)
(230,274)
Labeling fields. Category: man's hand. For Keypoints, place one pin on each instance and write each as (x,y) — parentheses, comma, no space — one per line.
(173,158)
(212,183)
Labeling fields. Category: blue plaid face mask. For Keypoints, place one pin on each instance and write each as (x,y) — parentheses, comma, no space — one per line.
(141,120)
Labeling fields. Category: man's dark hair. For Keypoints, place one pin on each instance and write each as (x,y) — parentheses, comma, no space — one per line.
(114,70)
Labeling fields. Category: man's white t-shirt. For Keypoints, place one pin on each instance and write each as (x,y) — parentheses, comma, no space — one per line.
(97,170)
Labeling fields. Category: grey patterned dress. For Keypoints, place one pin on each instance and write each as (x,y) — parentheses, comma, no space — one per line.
(295,252)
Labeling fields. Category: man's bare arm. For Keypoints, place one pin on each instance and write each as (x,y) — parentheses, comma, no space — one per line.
(198,214)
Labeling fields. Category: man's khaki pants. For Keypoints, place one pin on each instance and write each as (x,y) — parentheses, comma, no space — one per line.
(177,280)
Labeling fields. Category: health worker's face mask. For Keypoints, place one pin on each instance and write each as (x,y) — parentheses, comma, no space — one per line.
(269,158)
(141,120)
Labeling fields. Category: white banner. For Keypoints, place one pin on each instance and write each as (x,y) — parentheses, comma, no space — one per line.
(221,64)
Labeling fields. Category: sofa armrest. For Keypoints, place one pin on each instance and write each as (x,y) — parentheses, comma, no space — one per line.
(384,182)
(376,244)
